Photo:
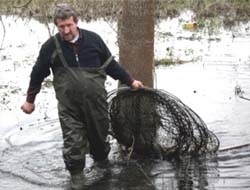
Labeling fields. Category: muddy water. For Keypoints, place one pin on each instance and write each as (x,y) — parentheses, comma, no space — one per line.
(30,145)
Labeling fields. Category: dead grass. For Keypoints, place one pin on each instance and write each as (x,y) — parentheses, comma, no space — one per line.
(231,11)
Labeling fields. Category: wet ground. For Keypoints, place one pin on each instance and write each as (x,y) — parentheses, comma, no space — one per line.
(211,84)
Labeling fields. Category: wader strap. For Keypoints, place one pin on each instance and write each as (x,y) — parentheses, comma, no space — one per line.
(107,62)
(62,58)
(59,52)
(53,57)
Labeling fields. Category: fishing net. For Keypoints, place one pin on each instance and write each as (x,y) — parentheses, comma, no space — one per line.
(150,121)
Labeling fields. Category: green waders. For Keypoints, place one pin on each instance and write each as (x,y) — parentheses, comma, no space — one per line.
(83,112)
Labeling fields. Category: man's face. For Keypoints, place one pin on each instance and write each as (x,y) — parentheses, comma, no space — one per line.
(67,28)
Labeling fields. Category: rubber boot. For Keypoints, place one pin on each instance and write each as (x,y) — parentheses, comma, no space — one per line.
(102,163)
(77,181)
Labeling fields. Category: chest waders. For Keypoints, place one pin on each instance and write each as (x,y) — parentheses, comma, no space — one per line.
(82,110)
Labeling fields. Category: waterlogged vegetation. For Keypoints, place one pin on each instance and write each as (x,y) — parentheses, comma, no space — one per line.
(231,11)
(209,14)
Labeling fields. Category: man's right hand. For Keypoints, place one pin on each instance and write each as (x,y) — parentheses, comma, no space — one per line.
(28,107)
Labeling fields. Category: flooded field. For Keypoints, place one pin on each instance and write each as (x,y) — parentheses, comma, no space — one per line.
(214,82)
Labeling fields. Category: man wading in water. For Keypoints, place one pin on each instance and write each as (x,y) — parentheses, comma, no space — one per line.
(79,60)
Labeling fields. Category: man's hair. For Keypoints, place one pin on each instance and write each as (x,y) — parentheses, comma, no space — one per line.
(65,11)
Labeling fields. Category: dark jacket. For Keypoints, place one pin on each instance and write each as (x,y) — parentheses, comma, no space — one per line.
(88,51)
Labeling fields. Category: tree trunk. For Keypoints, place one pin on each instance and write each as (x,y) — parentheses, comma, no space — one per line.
(136,39)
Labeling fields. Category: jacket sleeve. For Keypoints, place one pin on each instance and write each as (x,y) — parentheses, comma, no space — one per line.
(40,70)
(117,72)
(114,69)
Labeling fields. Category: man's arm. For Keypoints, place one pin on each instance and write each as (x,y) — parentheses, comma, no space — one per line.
(115,70)
(40,70)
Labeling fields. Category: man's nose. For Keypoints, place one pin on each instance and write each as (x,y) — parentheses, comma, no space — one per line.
(66,30)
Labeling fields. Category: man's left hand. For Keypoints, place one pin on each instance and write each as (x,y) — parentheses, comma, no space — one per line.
(137,84)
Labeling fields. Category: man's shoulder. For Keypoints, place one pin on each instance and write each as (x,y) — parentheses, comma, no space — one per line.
(90,34)
(49,43)
(85,31)
(48,47)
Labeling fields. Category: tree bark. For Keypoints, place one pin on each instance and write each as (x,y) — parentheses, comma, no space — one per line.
(136,39)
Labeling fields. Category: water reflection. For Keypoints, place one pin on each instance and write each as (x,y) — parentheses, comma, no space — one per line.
(196,173)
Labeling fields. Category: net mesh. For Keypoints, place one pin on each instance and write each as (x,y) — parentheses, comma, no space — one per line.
(153,120)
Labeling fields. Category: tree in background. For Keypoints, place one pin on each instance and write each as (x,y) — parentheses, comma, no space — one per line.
(136,39)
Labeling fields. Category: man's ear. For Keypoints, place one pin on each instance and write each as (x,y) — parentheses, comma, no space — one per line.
(77,19)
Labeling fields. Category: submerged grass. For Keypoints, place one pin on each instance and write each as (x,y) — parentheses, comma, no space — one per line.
(170,61)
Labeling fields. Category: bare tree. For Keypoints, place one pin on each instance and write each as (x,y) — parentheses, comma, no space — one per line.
(136,39)
(4,32)
(26,4)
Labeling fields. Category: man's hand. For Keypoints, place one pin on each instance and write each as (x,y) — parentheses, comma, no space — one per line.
(28,107)
(137,84)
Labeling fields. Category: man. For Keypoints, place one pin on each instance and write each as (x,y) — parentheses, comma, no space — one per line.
(79,60)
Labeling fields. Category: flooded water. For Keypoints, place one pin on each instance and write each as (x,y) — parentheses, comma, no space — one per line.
(218,65)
